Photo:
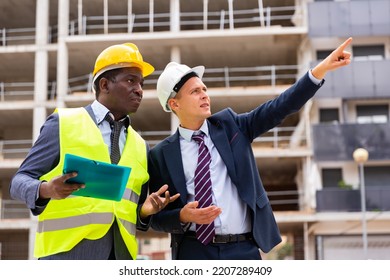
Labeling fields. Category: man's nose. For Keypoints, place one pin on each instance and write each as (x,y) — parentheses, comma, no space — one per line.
(138,89)
(204,94)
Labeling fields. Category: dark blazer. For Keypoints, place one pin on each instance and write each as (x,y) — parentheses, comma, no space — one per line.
(232,135)
(43,157)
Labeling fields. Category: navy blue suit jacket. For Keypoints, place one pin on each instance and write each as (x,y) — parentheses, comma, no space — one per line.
(232,135)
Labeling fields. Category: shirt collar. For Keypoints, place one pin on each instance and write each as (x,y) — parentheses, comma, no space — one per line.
(101,111)
(187,133)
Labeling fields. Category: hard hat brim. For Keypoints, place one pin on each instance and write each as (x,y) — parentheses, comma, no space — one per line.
(145,67)
(198,70)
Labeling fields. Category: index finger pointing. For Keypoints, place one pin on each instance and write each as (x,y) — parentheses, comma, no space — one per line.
(345,44)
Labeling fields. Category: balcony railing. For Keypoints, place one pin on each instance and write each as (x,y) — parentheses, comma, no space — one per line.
(269,16)
(285,200)
(362,79)
(337,142)
(339,200)
(349,18)
(278,137)
(266,17)
(15,148)
(17,36)
(12,209)
(271,76)
(17,91)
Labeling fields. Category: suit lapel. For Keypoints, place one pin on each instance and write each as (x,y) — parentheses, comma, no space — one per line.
(172,156)
(221,142)
(173,159)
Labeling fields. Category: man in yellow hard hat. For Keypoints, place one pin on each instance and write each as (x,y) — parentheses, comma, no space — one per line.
(77,227)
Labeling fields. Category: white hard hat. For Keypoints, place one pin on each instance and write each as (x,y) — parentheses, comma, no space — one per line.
(170,77)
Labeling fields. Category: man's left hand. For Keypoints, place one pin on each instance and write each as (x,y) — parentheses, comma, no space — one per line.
(154,203)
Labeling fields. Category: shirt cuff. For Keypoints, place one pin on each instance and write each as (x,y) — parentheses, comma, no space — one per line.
(40,203)
(142,223)
(314,79)
(185,226)
(38,189)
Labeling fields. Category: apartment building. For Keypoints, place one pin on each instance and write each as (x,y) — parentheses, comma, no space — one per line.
(252,51)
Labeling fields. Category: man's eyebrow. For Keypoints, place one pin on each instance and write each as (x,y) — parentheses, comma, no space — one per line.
(134,76)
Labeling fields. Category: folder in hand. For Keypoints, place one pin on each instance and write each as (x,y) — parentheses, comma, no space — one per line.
(102,180)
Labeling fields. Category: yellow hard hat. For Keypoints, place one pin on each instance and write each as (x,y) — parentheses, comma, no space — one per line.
(120,56)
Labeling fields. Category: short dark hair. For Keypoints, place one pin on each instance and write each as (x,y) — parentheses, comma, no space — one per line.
(109,75)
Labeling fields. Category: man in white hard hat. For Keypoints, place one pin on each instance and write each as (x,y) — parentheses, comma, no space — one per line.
(77,227)
(223,211)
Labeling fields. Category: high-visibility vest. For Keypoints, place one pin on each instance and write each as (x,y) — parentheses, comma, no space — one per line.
(65,222)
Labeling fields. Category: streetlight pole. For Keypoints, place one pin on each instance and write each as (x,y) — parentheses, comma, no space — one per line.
(361,156)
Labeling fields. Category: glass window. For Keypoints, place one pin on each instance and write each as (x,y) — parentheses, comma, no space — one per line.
(372,113)
(329,115)
(331,177)
(323,54)
(147,242)
(373,52)
(377,176)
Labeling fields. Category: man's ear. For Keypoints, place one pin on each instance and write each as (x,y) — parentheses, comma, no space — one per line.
(103,85)
(172,104)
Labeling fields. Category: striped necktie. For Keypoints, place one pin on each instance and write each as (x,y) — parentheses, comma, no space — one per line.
(203,190)
(115,153)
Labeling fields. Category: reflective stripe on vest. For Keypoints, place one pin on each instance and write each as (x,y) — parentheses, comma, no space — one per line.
(60,230)
(127,195)
(82,220)
(75,221)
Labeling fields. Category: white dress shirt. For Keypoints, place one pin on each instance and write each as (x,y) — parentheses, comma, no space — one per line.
(235,216)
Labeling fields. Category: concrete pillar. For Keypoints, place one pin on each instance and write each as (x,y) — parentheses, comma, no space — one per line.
(175,15)
(129,16)
(306,248)
(40,88)
(175,56)
(105,16)
(151,15)
(80,16)
(261,13)
(231,16)
(41,65)
(205,13)
(62,53)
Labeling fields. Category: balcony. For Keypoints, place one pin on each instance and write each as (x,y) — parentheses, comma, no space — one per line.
(349,18)
(15,149)
(336,142)
(361,79)
(269,76)
(12,209)
(340,200)
(122,22)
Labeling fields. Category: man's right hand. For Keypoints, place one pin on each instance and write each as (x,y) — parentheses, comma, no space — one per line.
(57,188)
(338,58)
(191,214)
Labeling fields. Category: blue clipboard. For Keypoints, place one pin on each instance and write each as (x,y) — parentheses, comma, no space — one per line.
(102,180)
